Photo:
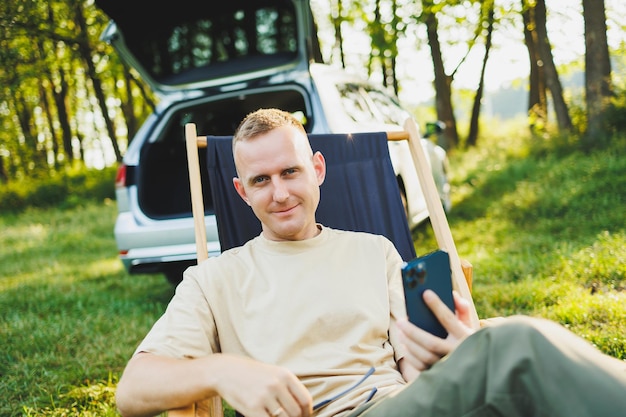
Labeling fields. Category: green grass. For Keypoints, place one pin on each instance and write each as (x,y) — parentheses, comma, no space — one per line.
(71,316)
(542,222)
(544,225)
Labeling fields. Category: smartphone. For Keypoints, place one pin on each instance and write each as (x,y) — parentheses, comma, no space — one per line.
(431,271)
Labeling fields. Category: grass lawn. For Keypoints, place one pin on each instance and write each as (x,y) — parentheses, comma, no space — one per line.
(71,316)
(543,224)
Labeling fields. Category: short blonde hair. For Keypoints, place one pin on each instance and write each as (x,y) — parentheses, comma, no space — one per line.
(262,121)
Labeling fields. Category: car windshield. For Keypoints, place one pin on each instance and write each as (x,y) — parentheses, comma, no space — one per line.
(195,46)
(364,104)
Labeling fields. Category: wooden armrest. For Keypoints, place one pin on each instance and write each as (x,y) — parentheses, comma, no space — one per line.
(211,407)
(468,272)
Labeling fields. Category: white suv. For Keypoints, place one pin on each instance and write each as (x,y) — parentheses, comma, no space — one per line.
(212,66)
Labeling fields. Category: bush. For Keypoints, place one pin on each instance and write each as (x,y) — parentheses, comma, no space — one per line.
(47,193)
(67,188)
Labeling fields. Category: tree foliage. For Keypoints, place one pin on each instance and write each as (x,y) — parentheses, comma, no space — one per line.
(66,99)
(57,79)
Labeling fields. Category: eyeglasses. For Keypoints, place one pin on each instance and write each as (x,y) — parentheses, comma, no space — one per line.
(344,392)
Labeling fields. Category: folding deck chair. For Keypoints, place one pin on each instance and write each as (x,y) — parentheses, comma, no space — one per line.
(360,193)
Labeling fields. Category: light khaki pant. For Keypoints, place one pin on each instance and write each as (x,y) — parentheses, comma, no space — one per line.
(520,367)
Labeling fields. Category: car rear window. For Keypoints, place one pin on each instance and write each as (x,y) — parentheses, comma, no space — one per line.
(203,44)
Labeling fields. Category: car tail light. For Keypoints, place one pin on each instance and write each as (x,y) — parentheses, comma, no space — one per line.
(120,177)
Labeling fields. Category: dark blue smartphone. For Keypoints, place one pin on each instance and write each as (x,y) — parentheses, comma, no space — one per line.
(431,271)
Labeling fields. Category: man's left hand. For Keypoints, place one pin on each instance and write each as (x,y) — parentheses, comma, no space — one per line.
(422,349)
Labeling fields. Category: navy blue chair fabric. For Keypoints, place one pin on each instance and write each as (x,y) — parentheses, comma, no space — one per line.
(360,192)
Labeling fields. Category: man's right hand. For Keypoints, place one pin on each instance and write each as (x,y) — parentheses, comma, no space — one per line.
(152,384)
(257,389)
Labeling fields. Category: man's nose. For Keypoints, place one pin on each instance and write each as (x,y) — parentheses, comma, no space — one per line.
(280,190)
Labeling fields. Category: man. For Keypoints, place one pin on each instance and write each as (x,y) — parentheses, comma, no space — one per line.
(278,327)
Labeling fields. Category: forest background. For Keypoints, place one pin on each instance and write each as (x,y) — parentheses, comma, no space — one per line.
(66,100)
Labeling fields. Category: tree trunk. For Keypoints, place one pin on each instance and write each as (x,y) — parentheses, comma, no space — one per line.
(4,175)
(443,91)
(393,46)
(32,156)
(379,44)
(537,99)
(128,105)
(53,144)
(85,52)
(472,136)
(394,81)
(597,67)
(552,77)
(60,92)
(338,34)
(60,98)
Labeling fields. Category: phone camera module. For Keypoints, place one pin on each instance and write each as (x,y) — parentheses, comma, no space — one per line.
(415,275)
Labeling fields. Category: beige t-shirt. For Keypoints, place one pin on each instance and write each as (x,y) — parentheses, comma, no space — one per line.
(321,307)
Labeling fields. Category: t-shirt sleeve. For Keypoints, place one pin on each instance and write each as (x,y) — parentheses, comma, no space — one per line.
(187,328)
(397,306)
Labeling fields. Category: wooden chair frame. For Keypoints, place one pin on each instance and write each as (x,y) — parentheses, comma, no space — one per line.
(461,270)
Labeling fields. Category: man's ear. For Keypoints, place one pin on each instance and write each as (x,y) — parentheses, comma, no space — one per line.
(319,164)
(240,190)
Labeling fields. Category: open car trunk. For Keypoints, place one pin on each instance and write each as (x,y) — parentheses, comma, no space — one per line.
(162,179)
(194,44)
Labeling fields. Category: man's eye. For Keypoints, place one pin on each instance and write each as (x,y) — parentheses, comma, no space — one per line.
(259,180)
(290,171)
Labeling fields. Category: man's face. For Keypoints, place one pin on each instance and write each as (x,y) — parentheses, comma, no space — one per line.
(280,178)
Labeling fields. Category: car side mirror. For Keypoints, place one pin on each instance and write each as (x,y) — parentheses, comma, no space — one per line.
(433,128)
